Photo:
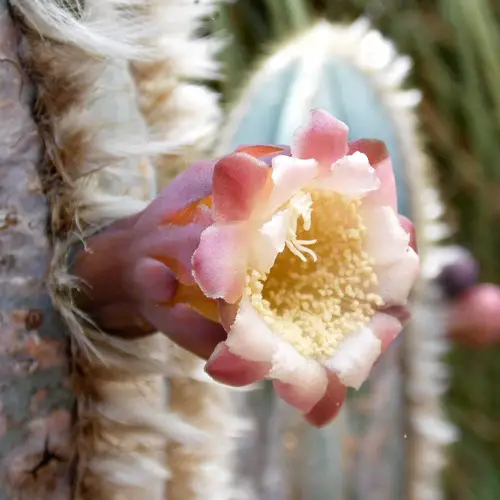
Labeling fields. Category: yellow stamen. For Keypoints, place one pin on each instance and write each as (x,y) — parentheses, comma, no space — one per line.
(314,304)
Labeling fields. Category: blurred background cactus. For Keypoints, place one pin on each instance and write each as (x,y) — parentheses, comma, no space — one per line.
(454,45)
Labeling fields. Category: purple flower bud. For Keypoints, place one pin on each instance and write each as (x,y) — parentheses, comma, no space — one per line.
(456,278)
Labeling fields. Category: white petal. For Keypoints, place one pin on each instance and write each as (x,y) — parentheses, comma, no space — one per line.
(250,337)
(355,358)
(351,176)
(268,242)
(385,241)
(289,176)
(395,280)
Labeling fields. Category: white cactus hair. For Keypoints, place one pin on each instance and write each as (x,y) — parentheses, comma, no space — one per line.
(368,51)
(96,64)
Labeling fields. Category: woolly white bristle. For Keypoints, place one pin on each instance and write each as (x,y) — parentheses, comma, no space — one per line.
(96,149)
(97,26)
(176,109)
(425,336)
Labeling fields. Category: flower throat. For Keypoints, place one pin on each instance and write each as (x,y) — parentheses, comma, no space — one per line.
(320,288)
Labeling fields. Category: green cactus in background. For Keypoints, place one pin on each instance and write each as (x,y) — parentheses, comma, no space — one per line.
(454,44)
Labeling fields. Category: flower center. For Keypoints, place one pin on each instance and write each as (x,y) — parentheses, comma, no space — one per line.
(317,294)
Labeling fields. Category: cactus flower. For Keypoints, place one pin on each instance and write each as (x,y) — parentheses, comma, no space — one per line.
(307,260)
(296,259)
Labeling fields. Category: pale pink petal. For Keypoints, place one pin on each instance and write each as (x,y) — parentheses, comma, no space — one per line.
(324,138)
(409,227)
(386,328)
(396,280)
(385,241)
(289,176)
(330,404)
(240,183)
(295,396)
(355,357)
(301,384)
(268,242)
(351,176)
(379,159)
(220,261)
(291,367)
(230,369)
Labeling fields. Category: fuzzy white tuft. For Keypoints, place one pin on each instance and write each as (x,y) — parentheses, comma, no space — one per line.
(175,108)
(203,471)
(115,28)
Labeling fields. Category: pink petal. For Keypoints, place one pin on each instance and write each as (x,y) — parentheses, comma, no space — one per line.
(306,378)
(220,261)
(240,183)
(409,227)
(386,327)
(187,188)
(330,404)
(153,281)
(185,327)
(298,396)
(230,369)
(288,393)
(379,159)
(174,246)
(265,153)
(324,138)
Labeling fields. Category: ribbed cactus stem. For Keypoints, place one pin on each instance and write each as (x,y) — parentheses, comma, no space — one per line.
(356,74)
(36,400)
